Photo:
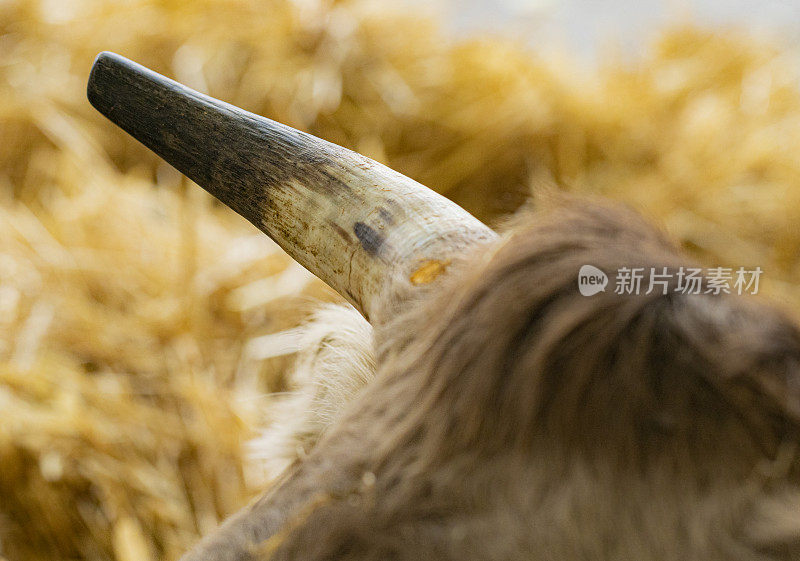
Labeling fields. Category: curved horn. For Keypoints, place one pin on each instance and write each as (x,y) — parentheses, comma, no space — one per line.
(366,230)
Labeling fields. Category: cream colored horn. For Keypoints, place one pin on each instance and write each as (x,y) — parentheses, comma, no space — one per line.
(366,230)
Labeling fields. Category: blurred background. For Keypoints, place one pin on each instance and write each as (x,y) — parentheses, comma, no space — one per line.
(584,26)
(143,327)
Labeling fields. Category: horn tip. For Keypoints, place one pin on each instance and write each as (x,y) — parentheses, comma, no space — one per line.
(105,73)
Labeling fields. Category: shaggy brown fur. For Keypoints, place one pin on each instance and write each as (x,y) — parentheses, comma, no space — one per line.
(517,419)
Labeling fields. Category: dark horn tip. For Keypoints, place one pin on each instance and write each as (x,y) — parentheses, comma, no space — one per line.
(94,88)
(101,90)
(216,145)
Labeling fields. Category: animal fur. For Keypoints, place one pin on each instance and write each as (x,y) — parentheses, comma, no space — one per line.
(336,360)
(512,418)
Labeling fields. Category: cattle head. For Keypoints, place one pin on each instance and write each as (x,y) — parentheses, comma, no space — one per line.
(511,416)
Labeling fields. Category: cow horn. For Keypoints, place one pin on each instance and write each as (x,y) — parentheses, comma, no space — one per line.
(366,230)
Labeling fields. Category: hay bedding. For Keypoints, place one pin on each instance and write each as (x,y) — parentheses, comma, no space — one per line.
(132,308)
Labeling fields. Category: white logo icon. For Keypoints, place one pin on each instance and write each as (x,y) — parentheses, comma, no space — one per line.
(591,280)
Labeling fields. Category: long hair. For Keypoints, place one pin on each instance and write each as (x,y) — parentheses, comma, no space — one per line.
(513,418)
